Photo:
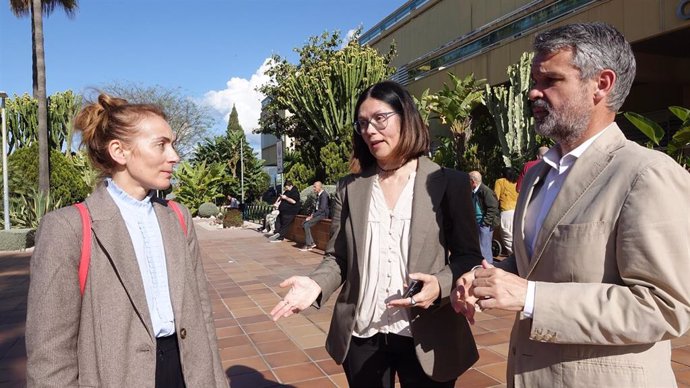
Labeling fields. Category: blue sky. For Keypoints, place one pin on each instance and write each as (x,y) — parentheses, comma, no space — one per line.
(213,51)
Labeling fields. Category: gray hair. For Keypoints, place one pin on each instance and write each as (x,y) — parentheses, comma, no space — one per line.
(475,176)
(595,46)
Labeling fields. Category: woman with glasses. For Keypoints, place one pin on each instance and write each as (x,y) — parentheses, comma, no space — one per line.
(398,218)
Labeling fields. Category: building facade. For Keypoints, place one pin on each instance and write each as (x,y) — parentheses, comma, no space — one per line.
(484,37)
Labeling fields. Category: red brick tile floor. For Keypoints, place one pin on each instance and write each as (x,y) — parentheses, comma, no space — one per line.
(244,271)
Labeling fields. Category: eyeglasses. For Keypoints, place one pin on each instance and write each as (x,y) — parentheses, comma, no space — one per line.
(379,121)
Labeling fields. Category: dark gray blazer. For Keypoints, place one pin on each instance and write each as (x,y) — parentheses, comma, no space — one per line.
(443,242)
(322,201)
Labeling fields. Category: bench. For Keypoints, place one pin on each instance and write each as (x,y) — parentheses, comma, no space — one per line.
(320,231)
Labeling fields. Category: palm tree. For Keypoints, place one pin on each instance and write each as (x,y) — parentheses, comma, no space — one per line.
(454,105)
(36,8)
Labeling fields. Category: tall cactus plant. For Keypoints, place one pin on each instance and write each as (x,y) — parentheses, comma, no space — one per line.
(510,109)
(22,120)
(62,109)
(321,92)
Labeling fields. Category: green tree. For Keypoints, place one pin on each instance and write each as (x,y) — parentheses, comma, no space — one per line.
(234,122)
(453,105)
(226,150)
(321,92)
(37,8)
(300,175)
(334,156)
(188,120)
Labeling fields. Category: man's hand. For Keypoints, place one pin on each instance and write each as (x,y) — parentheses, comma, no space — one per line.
(303,292)
(498,289)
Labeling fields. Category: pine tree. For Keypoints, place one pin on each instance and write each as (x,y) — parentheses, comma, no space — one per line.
(234,122)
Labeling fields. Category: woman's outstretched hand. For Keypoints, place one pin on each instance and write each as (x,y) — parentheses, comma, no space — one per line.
(303,292)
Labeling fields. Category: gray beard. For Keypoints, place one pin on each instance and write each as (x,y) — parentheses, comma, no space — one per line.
(565,126)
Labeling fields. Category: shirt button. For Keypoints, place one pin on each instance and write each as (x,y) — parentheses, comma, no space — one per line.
(183,333)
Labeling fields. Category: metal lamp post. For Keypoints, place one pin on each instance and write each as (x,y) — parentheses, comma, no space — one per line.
(5,188)
(242,169)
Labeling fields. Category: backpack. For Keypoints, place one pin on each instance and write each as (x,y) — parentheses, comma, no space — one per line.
(86,239)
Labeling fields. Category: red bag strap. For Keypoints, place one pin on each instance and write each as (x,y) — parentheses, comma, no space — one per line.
(85,245)
(86,239)
(176,208)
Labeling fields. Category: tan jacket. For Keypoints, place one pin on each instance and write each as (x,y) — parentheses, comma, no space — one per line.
(611,265)
(444,343)
(105,339)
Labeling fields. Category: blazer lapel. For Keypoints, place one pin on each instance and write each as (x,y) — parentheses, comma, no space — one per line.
(358,200)
(584,172)
(112,235)
(175,247)
(430,179)
(526,195)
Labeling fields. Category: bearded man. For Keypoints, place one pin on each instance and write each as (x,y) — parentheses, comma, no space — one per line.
(598,276)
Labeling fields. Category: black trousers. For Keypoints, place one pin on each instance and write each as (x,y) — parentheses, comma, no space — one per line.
(283,223)
(374,361)
(168,366)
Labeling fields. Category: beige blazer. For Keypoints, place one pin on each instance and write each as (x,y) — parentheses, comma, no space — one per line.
(443,242)
(105,339)
(611,265)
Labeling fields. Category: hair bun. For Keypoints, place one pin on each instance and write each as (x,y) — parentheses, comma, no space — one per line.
(109,102)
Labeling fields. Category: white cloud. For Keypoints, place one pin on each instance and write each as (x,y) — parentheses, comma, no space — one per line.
(349,37)
(247,100)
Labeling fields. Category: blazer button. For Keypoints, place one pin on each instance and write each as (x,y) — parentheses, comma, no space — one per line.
(183,333)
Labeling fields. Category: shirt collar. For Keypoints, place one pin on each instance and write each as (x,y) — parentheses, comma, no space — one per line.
(554,159)
(120,194)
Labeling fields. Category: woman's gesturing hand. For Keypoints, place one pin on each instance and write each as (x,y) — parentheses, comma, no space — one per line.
(303,292)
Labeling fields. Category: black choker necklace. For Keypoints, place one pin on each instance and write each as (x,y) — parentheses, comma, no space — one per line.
(387,170)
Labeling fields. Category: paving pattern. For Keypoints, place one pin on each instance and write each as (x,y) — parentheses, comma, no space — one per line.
(244,271)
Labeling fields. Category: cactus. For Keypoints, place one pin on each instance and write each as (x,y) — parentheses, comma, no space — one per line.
(510,109)
(321,93)
(22,120)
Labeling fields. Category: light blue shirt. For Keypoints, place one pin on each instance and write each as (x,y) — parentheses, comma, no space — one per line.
(145,233)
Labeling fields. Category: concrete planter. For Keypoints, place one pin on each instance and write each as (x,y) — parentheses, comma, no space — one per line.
(16,239)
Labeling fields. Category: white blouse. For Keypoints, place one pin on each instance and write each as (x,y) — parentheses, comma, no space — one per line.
(385,264)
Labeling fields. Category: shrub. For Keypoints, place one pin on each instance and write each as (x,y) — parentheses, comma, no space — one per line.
(300,175)
(198,183)
(208,209)
(27,210)
(308,199)
(66,181)
(232,218)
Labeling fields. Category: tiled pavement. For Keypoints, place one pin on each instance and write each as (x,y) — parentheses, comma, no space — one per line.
(244,271)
